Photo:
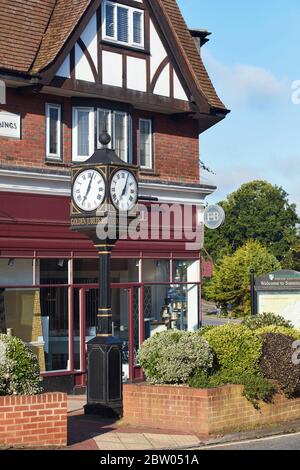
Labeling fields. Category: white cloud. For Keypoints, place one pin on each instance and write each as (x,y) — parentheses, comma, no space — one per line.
(245,84)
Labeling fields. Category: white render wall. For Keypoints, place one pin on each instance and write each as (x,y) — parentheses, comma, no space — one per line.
(112,65)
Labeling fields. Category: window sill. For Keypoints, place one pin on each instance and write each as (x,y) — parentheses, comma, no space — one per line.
(148,172)
(56,163)
(116,45)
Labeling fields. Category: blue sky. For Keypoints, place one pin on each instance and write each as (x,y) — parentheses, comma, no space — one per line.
(253,58)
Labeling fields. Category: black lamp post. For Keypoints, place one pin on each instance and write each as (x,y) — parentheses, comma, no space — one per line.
(104,177)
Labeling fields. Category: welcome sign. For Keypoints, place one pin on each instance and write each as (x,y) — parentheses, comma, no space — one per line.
(10,125)
(279,293)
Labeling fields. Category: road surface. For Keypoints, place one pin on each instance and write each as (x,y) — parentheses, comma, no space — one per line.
(283,442)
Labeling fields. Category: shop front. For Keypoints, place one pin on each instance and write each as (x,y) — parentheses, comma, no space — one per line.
(49,284)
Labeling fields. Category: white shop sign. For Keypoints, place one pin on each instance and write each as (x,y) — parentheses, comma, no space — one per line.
(10,125)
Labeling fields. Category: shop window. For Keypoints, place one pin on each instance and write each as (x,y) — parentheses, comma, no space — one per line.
(124,270)
(15,272)
(146,157)
(53,271)
(86,271)
(123,24)
(186,270)
(53,131)
(40,318)
(157,270)
(174,306)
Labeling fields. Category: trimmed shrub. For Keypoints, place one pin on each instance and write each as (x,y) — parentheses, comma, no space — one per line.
(19,368)
(266,319)
(256,387)
(279,330)
(236,347)
(277,362)
(171,357)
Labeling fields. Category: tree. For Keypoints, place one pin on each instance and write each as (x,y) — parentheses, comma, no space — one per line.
(230,283)
(292,258)
(256,211)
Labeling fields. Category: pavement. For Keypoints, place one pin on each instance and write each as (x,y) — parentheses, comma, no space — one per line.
(94,433)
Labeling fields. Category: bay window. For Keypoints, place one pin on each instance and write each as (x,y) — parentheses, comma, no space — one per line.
(118,125)
(53,131)
(89,123)
(123,24)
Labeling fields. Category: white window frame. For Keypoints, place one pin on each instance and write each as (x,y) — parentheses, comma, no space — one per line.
(109,130)
(130,10)
(75,156)
(124,114)
(49,155)
(112,131)
(151,143)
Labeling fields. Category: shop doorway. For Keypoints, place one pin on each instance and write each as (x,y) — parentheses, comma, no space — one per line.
(125,323)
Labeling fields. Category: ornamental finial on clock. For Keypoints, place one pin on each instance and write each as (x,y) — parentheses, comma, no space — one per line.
(104,139)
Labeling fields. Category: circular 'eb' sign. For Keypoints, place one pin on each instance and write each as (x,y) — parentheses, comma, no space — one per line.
(214,217)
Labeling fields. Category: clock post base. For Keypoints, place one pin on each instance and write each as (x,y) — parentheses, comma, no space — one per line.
(104,377)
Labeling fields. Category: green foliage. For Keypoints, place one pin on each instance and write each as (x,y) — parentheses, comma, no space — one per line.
(291,332)
(19,369)
(291,259)
(236,347)
(256,387)
(231,279)
(259,211)
(171,357)
(277,363)
(266,319)
(200,379)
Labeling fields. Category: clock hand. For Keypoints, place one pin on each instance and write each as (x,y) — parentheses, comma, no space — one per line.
(89,187)
(125,186)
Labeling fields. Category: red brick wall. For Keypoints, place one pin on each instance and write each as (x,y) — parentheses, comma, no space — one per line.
(202,412)
(175,140)
(30,150)
(33,421)
(176,148)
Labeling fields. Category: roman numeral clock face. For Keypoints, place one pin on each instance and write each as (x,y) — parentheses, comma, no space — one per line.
(124,190)
(89,190)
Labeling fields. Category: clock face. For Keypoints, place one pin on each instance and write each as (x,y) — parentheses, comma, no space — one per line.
(89,190)
(124,190)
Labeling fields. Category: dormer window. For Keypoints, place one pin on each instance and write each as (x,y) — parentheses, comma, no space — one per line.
(123,24)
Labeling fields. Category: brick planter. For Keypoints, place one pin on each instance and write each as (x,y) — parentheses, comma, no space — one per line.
(33,421)
(202,411)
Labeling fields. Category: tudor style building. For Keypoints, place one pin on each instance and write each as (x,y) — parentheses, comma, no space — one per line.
(73,68)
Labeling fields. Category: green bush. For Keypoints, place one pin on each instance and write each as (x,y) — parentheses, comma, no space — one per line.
(266,319)
(292,332)
(277,362)
(236,347)
(19,369)
(171,357)
(256,387)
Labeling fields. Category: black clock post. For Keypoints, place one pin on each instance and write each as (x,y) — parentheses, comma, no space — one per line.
(97,198)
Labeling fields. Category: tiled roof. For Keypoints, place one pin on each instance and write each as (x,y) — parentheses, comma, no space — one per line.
(32,33)
(66,15)
(22,25)
(191,53)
